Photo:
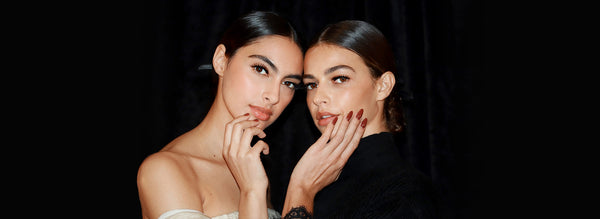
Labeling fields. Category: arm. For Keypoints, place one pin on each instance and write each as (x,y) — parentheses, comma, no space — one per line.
(321,164)
(245,165)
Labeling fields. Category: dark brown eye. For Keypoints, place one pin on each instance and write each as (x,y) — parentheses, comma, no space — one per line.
(290,84)
(260,70)
(311,86)
(340,79)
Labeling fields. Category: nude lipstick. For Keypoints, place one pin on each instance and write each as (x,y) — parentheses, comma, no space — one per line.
(325,118)
(261,113)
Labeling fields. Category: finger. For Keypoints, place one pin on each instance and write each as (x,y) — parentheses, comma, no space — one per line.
(350,132)
(237,133)
(229,130)
(336,127)
(349,149)
(247,138)
(339,136)
(326,134)
(260,146)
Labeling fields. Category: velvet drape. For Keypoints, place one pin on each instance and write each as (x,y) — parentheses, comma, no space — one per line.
(436,45)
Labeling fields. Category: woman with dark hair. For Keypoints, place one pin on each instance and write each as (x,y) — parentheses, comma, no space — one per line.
(213,170)
(348,66)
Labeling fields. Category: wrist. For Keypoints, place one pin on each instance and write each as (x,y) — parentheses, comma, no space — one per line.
(297,192)
(253,192)
(302,188)
(298,197)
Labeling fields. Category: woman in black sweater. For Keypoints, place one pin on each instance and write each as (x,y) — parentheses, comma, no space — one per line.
(349,66)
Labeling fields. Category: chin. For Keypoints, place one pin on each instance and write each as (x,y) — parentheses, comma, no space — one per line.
(320,128)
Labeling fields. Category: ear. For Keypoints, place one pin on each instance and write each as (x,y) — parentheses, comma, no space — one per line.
(385,84)
(219,60)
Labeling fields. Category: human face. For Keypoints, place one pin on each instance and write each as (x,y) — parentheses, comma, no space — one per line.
(338,81)
(260,78)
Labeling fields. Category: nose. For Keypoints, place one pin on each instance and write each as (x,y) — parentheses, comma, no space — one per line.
(319,97)
(270,94)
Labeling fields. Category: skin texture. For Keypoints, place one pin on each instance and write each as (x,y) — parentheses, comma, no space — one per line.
(191,171)
(213,168)
(338,81)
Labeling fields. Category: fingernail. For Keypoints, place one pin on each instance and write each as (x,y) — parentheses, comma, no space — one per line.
(364,123)
(256,120)
(246,114)
(359,114)
(335,120)
(349,116)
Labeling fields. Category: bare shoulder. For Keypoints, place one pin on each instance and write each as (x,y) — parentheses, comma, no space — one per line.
(159,163)
(163,179)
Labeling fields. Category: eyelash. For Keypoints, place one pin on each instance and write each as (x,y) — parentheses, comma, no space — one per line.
(342,79)
(287,84)
(311,85)
(258,68)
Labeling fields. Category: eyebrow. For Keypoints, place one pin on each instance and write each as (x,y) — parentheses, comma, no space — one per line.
(335,68)
(294,77)
(330,70)
(265,59)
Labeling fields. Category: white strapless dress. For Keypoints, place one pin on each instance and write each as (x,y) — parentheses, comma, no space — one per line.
(194,214)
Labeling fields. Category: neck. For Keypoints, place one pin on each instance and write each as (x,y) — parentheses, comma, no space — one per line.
(376,124)
(212,127)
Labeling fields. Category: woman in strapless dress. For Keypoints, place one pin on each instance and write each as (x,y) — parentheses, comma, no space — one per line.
(213,171)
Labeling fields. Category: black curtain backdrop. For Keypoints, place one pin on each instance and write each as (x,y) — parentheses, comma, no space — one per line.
(437,44)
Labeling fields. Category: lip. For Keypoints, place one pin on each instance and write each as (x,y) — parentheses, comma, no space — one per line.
(261,113)
(325,118)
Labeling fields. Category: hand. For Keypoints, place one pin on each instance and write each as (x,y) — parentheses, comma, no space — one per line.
(244,161)
(322,163)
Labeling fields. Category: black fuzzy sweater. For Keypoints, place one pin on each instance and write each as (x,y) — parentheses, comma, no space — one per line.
(377,183)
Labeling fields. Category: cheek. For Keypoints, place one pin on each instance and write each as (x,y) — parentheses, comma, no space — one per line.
(237,89)
(344,98)
(236,84)
(355,99)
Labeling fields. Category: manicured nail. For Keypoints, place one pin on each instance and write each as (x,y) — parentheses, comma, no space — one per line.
(364,123)
(335,120)
(359,114)
(349,116)
(246,114)
(256,120)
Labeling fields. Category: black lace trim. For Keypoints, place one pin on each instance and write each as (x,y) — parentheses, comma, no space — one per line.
(298,213)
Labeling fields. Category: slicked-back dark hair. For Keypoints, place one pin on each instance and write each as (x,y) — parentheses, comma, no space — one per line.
(254,25)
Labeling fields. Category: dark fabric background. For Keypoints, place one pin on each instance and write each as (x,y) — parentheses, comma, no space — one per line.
(437,44)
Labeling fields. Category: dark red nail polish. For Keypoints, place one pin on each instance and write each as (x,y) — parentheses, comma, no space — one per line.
(359,114)
(364,123)
(335,120)
(349,116)
(246,114)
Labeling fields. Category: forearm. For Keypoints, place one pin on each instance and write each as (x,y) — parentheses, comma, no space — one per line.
(253,204)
